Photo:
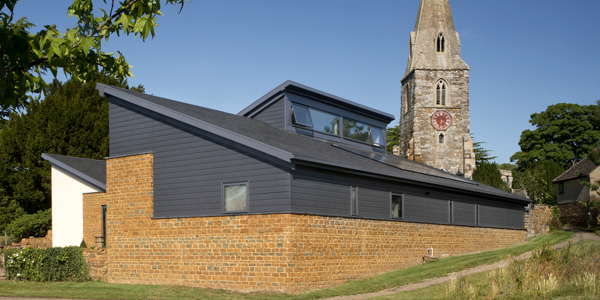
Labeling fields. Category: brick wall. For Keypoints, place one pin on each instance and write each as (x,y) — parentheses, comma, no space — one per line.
(536,220)
(33,242)
(277,252)
(92,216)
(96,261)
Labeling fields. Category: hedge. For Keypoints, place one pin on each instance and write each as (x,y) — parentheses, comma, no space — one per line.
(50,264)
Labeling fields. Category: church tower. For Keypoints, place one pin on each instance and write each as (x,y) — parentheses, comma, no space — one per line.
(434,123)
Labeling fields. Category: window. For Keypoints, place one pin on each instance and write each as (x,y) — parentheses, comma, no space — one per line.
(451,211)
(104,225)
(354,201)
(235,197)
(301,116)
(325,122)
(441,138)
(476,214)
(377,136)
(440,43)
(561,187)
(397,205)
(440,92)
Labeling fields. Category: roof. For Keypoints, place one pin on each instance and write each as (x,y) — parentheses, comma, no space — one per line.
(583,168)
(292,86)
(91,171)
(296,148)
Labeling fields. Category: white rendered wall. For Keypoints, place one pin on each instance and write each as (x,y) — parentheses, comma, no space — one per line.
(67,208)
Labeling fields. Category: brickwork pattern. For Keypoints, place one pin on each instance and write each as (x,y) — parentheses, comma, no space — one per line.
(92,216)
(575,214)
(536,220)
(277,252)
(97,264)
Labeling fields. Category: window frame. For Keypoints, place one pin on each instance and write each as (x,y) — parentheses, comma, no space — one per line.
(441,92)
(293,116)
(223,205)
(104,223)
(325,112)
(451,211)
(561,188)
(401,217)
(354,201)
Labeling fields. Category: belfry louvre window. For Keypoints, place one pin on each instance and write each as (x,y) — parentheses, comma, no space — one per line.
(440,92)
(440,41)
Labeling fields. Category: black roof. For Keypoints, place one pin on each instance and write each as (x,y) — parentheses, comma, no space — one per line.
(91,171)
(581,169)
(300,149)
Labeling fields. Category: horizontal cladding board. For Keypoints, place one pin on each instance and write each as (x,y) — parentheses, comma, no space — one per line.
(190,181)
(255,189)
(241,168)
(464,213)
(197,202)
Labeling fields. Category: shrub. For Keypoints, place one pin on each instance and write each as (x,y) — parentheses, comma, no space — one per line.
(51,264)
(28,225)
(555,224)
(82,245)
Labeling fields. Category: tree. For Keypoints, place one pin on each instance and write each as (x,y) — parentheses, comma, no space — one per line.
(481,155)
(488,173)
(536,179)
(564,134)
(77,52)
(71,120)
(392,137)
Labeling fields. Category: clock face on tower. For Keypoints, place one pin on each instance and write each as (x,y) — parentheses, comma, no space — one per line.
(441,120)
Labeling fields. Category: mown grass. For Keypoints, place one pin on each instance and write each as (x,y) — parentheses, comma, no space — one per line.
(572,273)
(102,290)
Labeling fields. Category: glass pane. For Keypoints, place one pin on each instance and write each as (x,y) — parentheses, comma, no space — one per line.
(396,206)
(325,122)
(235,197)
(301,116)
(356,130)
(378,136)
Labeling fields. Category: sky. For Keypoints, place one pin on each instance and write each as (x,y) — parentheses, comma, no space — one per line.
(224,55)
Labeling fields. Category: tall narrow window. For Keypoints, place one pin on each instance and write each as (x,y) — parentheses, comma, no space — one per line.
(441,138)
(104,225)
(561,188)
(476,214)
(440,43)
(440,92)
(408,102)
(354,201)
(451,211)
(396,206)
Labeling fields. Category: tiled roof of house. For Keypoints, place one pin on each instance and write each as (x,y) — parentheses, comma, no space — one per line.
(581,169)
(298,148)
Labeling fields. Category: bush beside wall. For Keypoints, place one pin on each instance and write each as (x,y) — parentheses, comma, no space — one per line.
(51,264)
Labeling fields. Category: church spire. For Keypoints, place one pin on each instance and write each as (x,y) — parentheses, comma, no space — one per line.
(434,45)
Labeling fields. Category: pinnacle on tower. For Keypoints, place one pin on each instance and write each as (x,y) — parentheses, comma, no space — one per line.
(434,44)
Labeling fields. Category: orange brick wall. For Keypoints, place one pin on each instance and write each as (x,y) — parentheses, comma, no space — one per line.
(277,252)
(92,216)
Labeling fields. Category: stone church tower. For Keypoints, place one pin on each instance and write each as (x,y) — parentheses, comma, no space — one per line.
(434,123)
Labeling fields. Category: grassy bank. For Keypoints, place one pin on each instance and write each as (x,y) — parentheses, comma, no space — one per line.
(101,290)
(572,273)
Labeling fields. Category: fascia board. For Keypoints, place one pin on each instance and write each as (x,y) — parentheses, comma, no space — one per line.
(314,162)
(262,99)
(64,167)
(229,135)
(289,83)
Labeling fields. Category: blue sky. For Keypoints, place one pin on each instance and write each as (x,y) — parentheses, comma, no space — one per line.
(524,55)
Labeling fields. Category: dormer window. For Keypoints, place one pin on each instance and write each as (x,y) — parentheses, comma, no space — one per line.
(301,116)
(440,92)
(315,119)
(440,41)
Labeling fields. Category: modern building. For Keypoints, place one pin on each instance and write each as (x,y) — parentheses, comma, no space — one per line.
(295,192)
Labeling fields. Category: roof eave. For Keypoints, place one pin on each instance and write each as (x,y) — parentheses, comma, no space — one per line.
(66,168)
(216,130)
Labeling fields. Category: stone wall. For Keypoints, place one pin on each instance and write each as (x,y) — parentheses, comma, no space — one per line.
(97,264)
(537,220)
(277,252)
(575,214)
(92,216)
(31,242)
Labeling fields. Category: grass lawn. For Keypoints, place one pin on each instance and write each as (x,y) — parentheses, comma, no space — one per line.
(481,281)
(102,290)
